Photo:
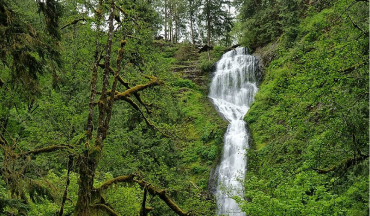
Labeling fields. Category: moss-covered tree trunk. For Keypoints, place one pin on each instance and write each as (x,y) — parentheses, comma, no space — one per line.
(86,180)
(89,199)
(90,158)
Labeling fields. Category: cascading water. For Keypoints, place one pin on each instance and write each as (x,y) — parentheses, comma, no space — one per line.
(232,91)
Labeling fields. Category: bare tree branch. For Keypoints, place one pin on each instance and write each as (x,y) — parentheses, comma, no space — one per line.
(124,12)
(145,210)
(70,164)
(98,55)
(133,104)
(128,99)
(147,186)
(164,196)
(353,3)
(45,150)
(74,22)
(356,26)
(350,69)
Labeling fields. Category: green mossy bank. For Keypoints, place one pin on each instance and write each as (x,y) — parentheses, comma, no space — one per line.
(310,119)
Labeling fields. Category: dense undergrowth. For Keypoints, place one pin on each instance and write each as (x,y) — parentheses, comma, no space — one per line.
(179,163)
(310,118)
(176,154)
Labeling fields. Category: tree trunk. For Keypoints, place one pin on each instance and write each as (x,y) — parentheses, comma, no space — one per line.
(85,184)
(171,22)
(209,32)
(208,17)
(191,11)
(165,20)
(176,28)
(91,155)
(192,31)
(208,28)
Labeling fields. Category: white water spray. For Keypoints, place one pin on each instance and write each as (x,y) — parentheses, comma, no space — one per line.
(232,90)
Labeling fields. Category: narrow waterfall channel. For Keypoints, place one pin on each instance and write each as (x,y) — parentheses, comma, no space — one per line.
(232,91)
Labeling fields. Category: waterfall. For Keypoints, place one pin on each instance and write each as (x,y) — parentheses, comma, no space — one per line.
(232,91)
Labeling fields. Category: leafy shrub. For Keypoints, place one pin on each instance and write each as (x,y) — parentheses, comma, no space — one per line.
(212,154)
(184,83)
(186,52)
(197,169)
(206,66)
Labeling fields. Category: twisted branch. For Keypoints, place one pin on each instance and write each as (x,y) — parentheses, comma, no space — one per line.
(74,22)
(45,150)
(127,178)
(149,188)
(154,82)
(164,196)
(126,84)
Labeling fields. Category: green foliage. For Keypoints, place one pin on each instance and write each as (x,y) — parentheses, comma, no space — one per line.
(263,21)
(206,64)
(26,52)
(176,155)
(218,22)
(309,121)
(52,11)
(186,52)
(184,83)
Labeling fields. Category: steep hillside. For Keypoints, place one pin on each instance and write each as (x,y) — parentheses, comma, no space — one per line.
(310,119)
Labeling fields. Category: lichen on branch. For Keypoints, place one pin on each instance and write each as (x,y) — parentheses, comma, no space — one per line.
(45,150)
(74,22)
(105,185)
(153,82)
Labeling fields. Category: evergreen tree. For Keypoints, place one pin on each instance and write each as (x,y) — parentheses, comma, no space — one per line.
(216,20)
(193,14)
